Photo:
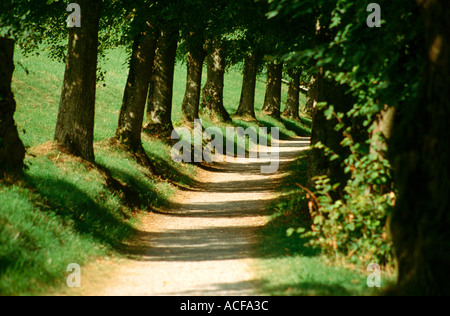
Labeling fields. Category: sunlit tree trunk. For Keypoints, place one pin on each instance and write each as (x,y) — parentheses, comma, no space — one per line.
(421,153)
(191,102)
(12,151)
(212,94)
(135,95)
(159,110)
(75,124)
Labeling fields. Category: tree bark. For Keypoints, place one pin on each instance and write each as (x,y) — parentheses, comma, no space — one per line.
(135,94)
(159,110)
(75,124)
(12,151)
(191,102)
(421,153)
(247,102)
(293,98)
(311,96)
(272,101)
(382,131)
(212,95)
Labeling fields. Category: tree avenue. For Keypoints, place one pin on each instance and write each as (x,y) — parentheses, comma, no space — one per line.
(376,182)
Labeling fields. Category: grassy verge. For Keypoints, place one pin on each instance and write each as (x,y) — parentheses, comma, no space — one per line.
(65,210)
(286,267)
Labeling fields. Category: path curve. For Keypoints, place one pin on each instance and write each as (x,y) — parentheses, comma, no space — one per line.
(203,244)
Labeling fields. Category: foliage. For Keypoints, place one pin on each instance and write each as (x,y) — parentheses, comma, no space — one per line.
(379,66)
(356,227)
(290,266)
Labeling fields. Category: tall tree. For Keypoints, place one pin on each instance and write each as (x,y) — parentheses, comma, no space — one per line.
(248,46)
(19,23)
(311,96)
(214,86)
(75,124)
(12,151)
(247,102)
(323,131)
(293,97)
(421,151)
(135,95)
(159,109)
(272,101)
(195,59)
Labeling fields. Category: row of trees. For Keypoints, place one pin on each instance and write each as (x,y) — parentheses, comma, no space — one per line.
(220,33)
(379,96)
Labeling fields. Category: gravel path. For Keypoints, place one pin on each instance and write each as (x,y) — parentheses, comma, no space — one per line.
(203,244)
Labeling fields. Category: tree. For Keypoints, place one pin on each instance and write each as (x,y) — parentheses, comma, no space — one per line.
(421,155)
(249,47)
(12,151)
(194,16)
(159,108)
(135,95)
(214,86)
(19,24)
(311,96)
(272,101)
(247,102)
(75,124)
(324,132)
(293,98)
(195,59)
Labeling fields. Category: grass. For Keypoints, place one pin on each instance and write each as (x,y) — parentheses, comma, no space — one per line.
(65,210)
(288,268)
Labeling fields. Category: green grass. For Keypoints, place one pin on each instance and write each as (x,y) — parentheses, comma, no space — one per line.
(286,267)
(64,210)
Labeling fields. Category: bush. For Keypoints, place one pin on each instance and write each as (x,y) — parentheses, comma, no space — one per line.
(356,227)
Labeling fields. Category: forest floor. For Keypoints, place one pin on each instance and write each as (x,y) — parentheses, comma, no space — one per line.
(204,243)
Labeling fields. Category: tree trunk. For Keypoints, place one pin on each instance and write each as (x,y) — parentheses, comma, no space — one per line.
(382,132)
(212,94)
(272,101)
(323,131)
(12,151)
(293,98)
(159,111)
(191,102)
(75,125)
(311,96)
(135,95)
(421,151)
(247,102)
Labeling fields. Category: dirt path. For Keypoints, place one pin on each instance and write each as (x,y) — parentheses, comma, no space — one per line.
(203,245)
